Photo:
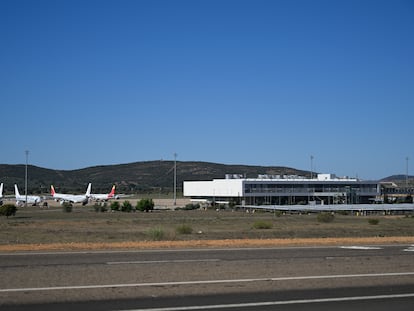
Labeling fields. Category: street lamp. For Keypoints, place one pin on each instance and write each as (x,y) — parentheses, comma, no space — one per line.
(175,179)
(406,173)
(25,178)
(311,158)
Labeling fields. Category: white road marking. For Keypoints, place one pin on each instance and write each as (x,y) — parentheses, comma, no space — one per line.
(361,247)
(289,278)
(409,249)
(275,303)
(159,261)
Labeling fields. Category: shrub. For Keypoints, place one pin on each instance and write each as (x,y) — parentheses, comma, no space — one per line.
(191,206)
(126,207)
(156,234)
(373,221)
(325,217)
(184,229)
(100,207)
(8,210)
(115,206)
(262,225)
(67,207)
(343,213)
(278,213)
(145,205)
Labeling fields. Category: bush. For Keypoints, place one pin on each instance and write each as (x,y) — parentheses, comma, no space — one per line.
(8,210)
(278,213)
(343,213)
(115,206)
(156,234)
(373,221)
(325,217)
(145,205)
(191,206)
(184,229)
(126,207)
(67,207)
(262,225)
(100,207)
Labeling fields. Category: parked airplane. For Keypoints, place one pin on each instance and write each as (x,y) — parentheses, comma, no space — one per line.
(21,199)
(104,196)
(72,198)
(1,193)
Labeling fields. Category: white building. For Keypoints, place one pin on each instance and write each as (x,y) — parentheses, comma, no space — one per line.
(283,190)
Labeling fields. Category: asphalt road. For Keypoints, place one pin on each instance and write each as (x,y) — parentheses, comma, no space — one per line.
(373,278)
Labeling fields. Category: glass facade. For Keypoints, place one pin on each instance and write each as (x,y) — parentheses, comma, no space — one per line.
(304,192)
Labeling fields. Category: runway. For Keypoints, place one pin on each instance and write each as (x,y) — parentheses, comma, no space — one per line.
(210,279)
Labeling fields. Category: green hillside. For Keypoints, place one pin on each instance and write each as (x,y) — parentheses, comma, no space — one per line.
(138,177)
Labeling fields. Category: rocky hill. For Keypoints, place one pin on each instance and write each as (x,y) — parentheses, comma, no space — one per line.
(137,177)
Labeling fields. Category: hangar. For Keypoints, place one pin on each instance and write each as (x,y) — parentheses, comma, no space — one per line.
(324,189)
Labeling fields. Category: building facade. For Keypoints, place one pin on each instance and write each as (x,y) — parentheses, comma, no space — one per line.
(283,190)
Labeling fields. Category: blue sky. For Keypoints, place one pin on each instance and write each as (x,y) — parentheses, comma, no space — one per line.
(86,83)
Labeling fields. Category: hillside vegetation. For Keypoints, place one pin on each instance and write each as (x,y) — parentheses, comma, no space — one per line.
(137,177)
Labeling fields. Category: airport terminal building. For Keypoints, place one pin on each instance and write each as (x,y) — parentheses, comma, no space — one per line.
(283,190)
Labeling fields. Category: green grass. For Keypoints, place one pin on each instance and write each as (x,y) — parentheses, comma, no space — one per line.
(184,229)
(373,221)
(260,224)
(156,234)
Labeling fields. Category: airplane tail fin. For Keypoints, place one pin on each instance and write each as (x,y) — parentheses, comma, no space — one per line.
(16,191)
(88,191)
(112,193)
(52,190)
(1,190)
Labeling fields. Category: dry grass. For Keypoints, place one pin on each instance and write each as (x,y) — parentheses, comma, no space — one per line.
(36,229)
(208,244)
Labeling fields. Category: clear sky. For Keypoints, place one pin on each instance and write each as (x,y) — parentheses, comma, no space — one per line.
(85,83)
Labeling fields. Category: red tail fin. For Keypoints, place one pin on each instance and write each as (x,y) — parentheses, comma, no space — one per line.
(112,193)
(52,190)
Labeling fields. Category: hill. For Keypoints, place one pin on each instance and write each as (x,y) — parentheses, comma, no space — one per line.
(397,178)
(400,180)
(137,177)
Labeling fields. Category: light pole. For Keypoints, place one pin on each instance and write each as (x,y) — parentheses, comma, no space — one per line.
(25,178)
(311,158)
(406,173)
(175,179)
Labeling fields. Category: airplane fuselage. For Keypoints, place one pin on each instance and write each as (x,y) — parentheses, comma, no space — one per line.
(72,198)
(21,199)
(104,196)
